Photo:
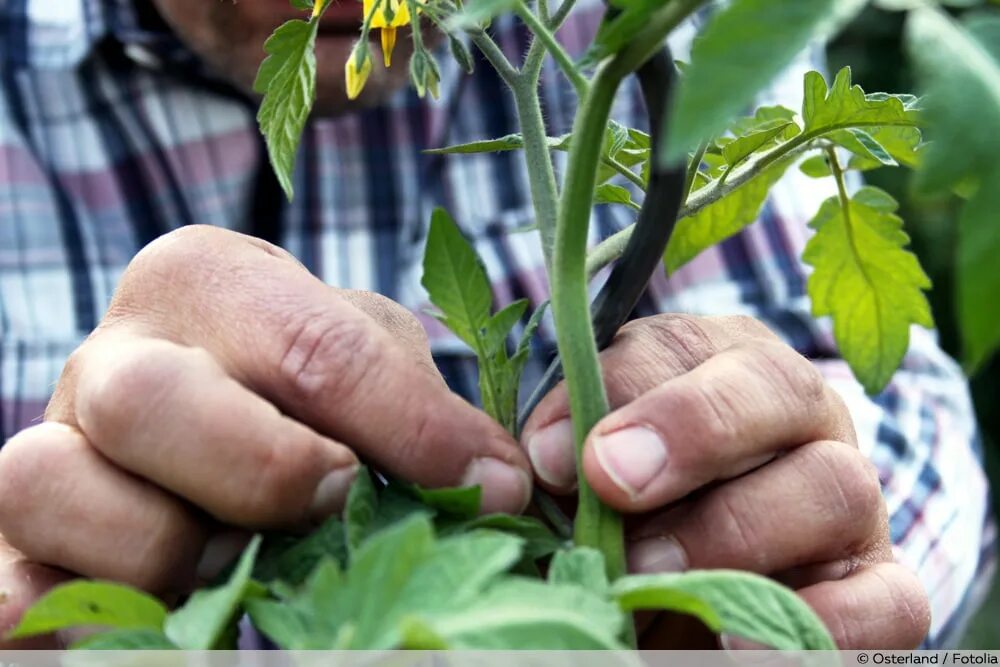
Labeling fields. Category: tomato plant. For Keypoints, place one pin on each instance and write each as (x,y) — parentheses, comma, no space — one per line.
(420,568)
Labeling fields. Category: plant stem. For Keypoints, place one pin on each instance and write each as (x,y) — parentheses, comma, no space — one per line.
(624,171)
(597,525)
(495,56)
(693,168)
(538,158)
(549,41)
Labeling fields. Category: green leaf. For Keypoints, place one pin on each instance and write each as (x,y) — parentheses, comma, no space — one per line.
(764,118)
(383,566)
(290,558)
(606,193)
(462,502)
(865,280)
(744,46)
(142,639)
(282,623)
(308,619)
(864,145)
(287,79)
(460,568)
(476,13)
(844,105)
(456,280)
(960,72)
(736,603)
(743,147)
(977,275)
(203,620)
(501,324)
(509,142)
(721,219)
(539,540)
(522,614)
(100,603)
(816,167)
(360,509)
(581,566)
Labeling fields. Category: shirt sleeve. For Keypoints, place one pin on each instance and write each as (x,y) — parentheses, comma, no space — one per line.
(920,432)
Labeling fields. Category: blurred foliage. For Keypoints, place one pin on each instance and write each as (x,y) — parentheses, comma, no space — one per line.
(872,47)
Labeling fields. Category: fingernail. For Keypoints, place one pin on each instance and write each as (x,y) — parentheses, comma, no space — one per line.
(657,555)
(552,454)
(734,643)
(505,487)
(331,492)
(631,457)
(220,551)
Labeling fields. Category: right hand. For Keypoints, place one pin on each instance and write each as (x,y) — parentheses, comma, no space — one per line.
(227,390)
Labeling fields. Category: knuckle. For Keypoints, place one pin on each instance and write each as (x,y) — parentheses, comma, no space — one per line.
(852,488)
(747,326)
(164,550)
(118,395)
(792,376)
(288,469)
(683,336)
(326,355)
(391,315)
(710,413)
(733,514)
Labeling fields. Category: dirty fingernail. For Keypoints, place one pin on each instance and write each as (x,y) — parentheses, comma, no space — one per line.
(506,488)
(631,457)
(655,555)
(552,454)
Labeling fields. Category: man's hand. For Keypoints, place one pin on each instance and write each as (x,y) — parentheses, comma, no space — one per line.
(731,452)
(228,388)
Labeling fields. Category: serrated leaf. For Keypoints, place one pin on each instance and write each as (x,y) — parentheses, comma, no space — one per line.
(458,571)
(373,584)
(287,79)
(844,105)
(81,603)
(721,219)
(764,118)
(959,70)
(736,603)
(290,558)
(501,324)
(580,566)
(455,280)
(743,147)
(538,538)
(526,615)
(864,145)
(976,272)
(205,617)
(607,193)
(744,46)
(816,167)
(867,282)
(142,639)
(306,619)
(359,510)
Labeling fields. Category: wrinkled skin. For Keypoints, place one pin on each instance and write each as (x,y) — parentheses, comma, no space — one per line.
(228,390)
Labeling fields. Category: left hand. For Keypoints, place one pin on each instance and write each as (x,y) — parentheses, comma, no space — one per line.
(732,452)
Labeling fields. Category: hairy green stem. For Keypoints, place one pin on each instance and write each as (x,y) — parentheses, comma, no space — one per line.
(693,167)
(538,157)
(548,39)
(633,177)
(491,50)
(597,525)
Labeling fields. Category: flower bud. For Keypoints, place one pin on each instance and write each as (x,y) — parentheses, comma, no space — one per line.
(356,70)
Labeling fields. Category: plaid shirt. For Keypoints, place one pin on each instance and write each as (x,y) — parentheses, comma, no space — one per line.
(111,135)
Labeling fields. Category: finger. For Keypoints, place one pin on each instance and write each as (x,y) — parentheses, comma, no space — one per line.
(171,415)
(727,416)
(818,503)
(879,607)
(320,359)
(22,582)
(63,504)
(644,354)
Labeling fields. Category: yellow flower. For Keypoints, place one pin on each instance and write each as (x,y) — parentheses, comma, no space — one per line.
(400,17)
(357,72)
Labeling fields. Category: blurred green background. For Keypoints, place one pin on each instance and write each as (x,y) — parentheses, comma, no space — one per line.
(872,47)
